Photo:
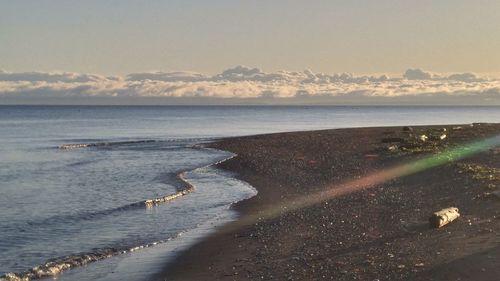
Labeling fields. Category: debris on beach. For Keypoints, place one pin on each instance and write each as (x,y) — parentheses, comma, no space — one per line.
(392,148)
(438,137)
(411,140)
(480,172)
(488,177)
(443,217)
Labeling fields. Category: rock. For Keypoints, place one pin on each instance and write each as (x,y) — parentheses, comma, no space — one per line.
(392,148)
(443,217)
(423,138)
(437,137)
(407,129)
(457,128)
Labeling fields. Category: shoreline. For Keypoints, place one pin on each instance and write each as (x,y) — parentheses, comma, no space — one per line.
(316,241)
(55,267)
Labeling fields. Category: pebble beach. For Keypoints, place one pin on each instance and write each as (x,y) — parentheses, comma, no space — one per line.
(343,205)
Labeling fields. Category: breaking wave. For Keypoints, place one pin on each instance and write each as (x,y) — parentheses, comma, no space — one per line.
(54,267)
(99,144)
(102,144)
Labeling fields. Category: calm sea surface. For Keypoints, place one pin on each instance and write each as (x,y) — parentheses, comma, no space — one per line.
(58,203)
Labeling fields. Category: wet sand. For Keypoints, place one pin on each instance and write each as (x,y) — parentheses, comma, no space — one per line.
(298,228)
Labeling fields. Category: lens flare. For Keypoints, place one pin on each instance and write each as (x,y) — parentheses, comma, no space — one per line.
(373,179)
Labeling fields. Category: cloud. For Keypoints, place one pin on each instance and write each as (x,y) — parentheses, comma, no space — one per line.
(417,74)
(167,77)
(252,85)
(66,77)
(465,77)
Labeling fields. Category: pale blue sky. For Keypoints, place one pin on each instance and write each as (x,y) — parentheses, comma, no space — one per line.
(121,36)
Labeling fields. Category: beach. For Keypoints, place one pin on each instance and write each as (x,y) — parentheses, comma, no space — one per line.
(354,204)
(75,178)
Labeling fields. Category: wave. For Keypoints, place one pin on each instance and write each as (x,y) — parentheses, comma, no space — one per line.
(189,187)
(55,266)
(98,144)
(183,188)
(164,199)
(116,143)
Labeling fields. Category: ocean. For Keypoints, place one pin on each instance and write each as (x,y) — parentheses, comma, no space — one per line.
(86,202)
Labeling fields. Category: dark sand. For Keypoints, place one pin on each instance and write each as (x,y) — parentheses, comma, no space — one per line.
(378,233)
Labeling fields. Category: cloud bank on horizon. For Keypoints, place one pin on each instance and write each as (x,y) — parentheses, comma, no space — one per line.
(244,85)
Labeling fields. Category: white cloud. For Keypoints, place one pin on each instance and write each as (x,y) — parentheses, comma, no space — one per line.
(54,77)
(246,83)
(169,76)
(419,74)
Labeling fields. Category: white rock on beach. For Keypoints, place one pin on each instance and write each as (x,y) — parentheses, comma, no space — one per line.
(443,217)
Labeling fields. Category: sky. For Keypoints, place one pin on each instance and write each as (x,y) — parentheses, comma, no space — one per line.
(111,39)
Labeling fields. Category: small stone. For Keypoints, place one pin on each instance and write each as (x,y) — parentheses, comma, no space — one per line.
(392,148)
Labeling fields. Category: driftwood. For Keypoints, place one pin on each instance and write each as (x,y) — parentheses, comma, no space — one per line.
(443,217)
